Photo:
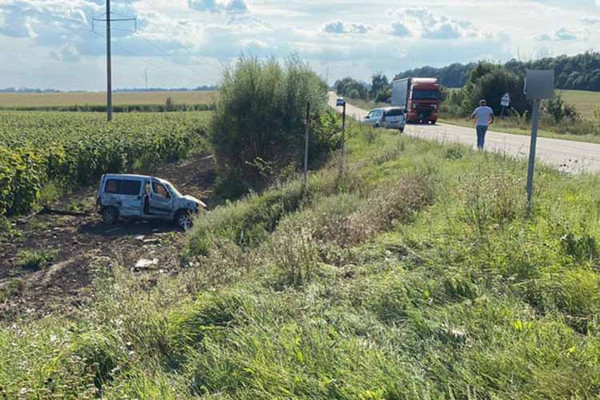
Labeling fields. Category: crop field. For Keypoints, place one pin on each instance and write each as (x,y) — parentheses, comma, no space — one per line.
(8,100)
(585,102)
(74,149)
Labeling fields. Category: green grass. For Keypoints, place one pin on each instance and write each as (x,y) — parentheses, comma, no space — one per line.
(416,277)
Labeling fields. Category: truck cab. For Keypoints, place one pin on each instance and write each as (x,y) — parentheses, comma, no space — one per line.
(420,98)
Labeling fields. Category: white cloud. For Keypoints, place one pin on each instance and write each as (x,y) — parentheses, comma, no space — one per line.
(561,34)
(231,6)
(187,42)
(339,27)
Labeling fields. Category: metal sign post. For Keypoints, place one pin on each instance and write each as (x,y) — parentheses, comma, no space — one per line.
(340,102)
(539,85)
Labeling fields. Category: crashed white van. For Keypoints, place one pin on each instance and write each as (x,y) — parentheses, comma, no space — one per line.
(144,198)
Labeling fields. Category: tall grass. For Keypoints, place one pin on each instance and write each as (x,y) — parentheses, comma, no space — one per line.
(418,277)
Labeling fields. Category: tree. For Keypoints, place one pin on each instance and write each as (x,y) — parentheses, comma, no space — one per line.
(491,83)
(259,124)
(381,90)
(352,88)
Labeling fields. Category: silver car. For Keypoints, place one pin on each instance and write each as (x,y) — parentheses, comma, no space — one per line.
(144,198)
(390,118)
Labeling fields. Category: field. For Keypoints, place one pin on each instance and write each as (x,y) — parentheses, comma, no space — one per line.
(416,276)
(586,103)
(74,149)
(9,100)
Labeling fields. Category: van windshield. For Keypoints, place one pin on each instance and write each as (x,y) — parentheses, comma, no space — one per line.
(173,189)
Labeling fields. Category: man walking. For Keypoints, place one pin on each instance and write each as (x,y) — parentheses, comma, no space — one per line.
(484,116)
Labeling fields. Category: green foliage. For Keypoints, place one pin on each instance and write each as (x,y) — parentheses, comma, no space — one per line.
(558,110)
(34,260)
(351,88)
(490,82)
(259,125)
(75,149)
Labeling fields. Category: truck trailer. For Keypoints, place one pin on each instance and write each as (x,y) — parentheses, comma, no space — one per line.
(419,97)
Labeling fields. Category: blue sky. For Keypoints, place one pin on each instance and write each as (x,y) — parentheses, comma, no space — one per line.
(50,43)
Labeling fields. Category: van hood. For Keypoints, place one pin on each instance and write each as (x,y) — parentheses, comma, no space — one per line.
(194,200)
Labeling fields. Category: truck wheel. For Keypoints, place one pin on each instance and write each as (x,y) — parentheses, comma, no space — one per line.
(401,130)
(433,122)
(110,215)
(184,219)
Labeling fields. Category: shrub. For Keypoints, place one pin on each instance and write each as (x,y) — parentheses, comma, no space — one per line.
(259,125)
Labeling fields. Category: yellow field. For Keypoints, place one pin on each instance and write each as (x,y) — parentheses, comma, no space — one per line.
(584,102)
(98,98)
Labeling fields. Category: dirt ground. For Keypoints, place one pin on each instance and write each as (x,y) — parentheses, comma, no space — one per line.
(70,246)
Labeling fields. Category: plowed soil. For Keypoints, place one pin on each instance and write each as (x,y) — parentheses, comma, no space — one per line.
(74,244)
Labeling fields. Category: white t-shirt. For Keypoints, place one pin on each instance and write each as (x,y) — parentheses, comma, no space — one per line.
(483,115)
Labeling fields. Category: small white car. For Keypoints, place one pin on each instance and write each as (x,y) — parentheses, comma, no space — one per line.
(144,198)
(389,118)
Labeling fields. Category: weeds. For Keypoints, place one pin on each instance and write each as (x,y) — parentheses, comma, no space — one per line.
(35,260)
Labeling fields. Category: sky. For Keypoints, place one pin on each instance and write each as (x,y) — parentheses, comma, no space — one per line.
(188,43)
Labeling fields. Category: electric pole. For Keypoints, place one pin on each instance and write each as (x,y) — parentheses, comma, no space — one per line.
(109,107)
(108,20)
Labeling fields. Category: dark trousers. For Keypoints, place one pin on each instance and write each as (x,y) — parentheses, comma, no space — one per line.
(481,131)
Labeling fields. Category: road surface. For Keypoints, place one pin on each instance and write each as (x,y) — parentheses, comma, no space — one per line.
(566,155)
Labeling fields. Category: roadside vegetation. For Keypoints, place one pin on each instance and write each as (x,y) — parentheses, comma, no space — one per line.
(259,128)
(416,275)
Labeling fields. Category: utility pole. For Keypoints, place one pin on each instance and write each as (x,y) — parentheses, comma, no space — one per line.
(109,20)
(109,106)
(306,142)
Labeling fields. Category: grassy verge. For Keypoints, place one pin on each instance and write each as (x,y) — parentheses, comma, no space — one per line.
(417,276)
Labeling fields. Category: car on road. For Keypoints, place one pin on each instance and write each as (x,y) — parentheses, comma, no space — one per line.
(144,198)
(389,118)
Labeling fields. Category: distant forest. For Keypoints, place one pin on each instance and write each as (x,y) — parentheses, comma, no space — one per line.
(580,72)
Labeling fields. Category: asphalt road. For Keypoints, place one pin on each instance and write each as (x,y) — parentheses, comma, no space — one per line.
(566,155)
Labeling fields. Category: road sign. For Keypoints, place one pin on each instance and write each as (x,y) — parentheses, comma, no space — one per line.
(539,85)
(505,102)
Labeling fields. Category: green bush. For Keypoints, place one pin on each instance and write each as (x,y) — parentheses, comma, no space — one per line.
(259,125)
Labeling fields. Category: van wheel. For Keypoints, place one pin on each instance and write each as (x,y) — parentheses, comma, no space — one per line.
(110,215)
(401,130)
(184,219)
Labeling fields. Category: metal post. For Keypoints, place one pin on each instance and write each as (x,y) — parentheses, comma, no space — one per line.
(535,122)
(109,106)
(306,143)
(344,140)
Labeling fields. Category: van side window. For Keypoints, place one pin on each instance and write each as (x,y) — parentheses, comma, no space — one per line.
(111,186)
(125,187)
(130,188)
(160,190)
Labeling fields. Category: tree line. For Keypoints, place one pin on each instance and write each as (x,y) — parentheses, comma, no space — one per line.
(580,72)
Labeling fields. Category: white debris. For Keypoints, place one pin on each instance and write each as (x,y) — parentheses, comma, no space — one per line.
(144,263)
